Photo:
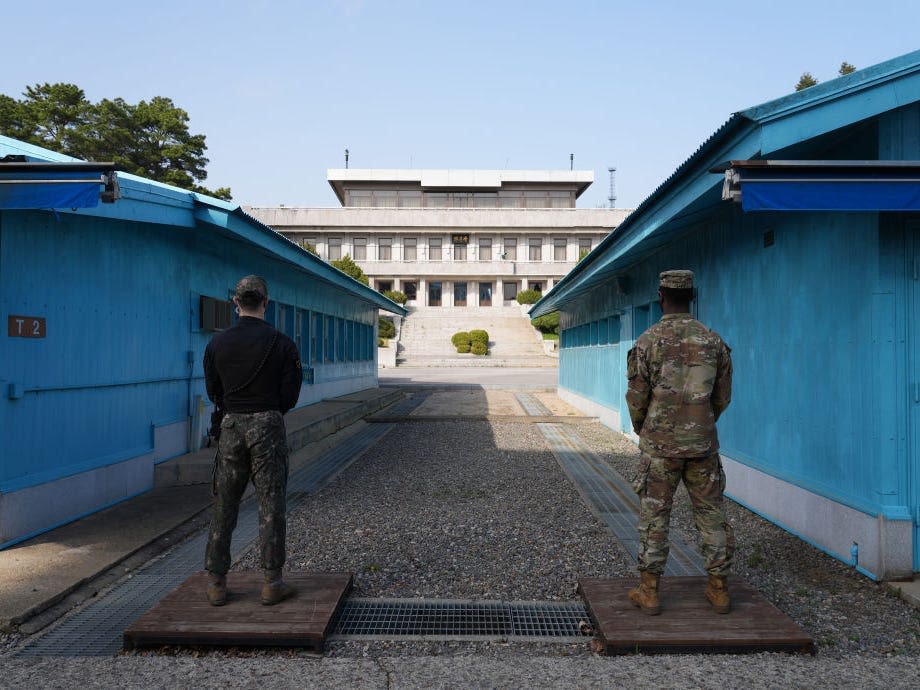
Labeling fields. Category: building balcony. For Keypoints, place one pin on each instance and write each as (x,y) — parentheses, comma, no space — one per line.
(408,269)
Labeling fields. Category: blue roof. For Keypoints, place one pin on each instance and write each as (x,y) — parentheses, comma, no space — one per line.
(747,134)
(147,201)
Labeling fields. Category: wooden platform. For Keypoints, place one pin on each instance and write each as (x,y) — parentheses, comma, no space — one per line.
(687,623)
(184,616)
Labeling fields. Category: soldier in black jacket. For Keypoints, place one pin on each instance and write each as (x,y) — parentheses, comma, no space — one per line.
(253,376)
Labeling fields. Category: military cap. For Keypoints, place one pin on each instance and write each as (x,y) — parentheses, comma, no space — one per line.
(253,287)
(680,280)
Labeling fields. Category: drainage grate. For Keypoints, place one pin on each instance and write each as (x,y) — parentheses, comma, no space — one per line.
(97,629)
(451,619)
(612,499)
(532,405)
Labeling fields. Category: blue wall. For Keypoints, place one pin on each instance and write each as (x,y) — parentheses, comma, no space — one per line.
(124,348)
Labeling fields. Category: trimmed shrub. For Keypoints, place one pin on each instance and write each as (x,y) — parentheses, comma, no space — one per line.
(463,347)
(383,342)
(396,296)
(386,328)
(478,348)
(460,337)
(548,323)
(529,296)
(479,336)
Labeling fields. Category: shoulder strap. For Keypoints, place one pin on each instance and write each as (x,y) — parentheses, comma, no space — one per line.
(255,373)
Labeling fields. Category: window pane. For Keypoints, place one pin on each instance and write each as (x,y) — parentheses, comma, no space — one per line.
(485,248)
(459,252)
(510,199)
(359,197)
(485,199)
(385,198)
(536,249)
(535,199)
(360,249)
(511,249)
(434,248)
(384,248)
(510,290)
(410,249)
(334,249)
(436,200)
(559,249)
(410,199)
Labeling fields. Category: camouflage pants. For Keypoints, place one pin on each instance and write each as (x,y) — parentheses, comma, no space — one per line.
(252,446)
(656,483)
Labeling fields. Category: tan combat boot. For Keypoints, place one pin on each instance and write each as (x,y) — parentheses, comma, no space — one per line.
(717,594)
(217,589)
(275,588)
(645,596)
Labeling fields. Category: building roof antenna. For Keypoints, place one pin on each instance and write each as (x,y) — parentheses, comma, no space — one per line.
(613,190)
(346,159)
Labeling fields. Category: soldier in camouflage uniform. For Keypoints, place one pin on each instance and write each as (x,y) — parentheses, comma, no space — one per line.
(680,379)
(253,376)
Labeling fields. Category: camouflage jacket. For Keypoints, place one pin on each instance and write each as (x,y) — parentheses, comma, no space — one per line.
(680,381)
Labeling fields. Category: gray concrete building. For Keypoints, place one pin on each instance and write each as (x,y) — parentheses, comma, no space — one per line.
(453,238)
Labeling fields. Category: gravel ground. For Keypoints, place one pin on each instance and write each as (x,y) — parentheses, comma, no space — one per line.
(482,511)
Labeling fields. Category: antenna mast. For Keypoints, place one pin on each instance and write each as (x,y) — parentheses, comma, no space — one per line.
(613,189)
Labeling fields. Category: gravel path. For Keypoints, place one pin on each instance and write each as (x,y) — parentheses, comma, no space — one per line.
(473,510)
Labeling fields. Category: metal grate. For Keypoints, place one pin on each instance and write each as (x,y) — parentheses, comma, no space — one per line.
(97,629)
(532,405)
(611,498)
(437,619)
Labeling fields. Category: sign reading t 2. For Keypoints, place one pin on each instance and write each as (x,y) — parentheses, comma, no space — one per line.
(25,326)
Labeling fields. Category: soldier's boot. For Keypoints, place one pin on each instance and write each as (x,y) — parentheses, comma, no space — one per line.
(717,594)
(645,596)
(275,588)
(217,589)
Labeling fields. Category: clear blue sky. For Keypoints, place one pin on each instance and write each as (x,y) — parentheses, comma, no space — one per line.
(281,88)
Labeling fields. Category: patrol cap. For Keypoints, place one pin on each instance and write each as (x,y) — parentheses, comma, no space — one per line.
(680,280)
(253,287)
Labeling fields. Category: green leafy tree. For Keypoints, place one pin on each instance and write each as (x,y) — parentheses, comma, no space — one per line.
(150,138)
(349,267)
(805,81)
(846,68)
(548,323)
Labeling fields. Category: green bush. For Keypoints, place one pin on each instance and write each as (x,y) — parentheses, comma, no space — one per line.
(479,348)
(396,296)
(529,296)
(463,347)
(386,328)
(479,336)
(460,337)
(548,323)
(383,342)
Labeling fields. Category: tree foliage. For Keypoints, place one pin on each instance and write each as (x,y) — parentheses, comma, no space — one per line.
(150,138)
(846,68)
(548,323)
(805,81)
(347,265)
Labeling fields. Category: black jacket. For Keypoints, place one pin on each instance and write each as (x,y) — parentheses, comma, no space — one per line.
(233,355)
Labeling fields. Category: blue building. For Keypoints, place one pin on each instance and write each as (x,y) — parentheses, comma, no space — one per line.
(801,219)
(107,308)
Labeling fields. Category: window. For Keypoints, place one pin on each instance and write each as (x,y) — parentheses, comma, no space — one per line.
(302,331)
(538,286)
(510,253)
(561,200)
(216,314)
(309,243)
(385,249)
(459,252)
(436,200)
(410,199)
(360,249)
(509,291)
(559,249)
(410,249)
(535,199)
(536,249)
(334,249)
(341,345)
(485,248)
(510,199)
(434,248)
(329,342)
(359,197)
(410,289)
(317,338)
(485,199)
(384,285)
(385,198)
(584,246)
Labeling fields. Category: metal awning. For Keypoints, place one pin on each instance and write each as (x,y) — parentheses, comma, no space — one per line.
(27,185)
(771,185)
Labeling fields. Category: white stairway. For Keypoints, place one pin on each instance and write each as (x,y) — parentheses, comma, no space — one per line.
(424,339)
